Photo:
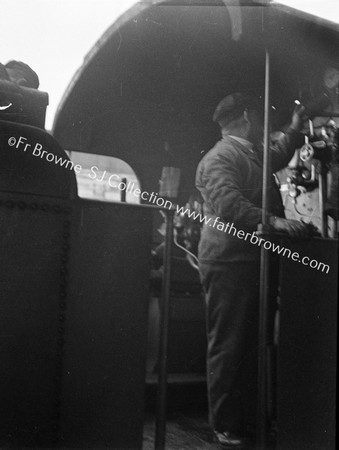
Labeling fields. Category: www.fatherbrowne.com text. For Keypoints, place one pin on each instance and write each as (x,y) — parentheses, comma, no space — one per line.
(226,227)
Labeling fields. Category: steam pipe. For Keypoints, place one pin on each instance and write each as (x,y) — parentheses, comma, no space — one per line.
(160,425)
(264,275)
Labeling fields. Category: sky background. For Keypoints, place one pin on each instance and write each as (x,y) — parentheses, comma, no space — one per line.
(53,36)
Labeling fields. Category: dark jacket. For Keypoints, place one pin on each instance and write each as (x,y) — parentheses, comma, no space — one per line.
(229,178)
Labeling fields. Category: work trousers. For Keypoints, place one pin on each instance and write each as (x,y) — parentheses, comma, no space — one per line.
(232,300)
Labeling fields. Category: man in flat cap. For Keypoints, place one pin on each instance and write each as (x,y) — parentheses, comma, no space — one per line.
(229,178)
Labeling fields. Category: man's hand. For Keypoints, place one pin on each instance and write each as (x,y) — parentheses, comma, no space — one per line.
(293,228)
(298,118)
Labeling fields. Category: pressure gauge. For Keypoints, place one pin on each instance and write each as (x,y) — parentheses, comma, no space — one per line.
(331,77)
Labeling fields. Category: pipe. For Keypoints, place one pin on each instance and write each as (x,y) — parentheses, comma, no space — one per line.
(264,276)
(123,191)
(160,424)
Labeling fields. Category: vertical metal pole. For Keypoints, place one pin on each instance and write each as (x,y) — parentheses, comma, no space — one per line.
(266,160)
(123,191)
(264,275)
(160,424)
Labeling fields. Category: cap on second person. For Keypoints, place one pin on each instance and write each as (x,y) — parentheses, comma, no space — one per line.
(232,106)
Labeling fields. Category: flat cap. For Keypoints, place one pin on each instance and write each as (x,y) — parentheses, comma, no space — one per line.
(233,106)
